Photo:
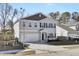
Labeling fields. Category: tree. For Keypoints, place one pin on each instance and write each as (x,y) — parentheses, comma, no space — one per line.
(60,20)
(22,12)
(5,10)
(15,12)
(7,16)
(55,15)
(65,17)
(75,16)
(7,13)
(10,25)
(13,15)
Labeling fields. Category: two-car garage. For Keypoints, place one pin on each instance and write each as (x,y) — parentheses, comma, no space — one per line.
(29,37)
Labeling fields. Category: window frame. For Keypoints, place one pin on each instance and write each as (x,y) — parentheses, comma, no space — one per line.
(30,25)
(24,24)
(35,25)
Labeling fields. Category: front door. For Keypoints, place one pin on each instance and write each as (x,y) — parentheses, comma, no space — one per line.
(44,36)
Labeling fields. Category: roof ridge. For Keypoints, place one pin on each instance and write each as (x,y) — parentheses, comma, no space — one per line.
(36,16)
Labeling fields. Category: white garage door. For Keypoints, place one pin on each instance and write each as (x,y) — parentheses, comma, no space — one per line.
(30,37)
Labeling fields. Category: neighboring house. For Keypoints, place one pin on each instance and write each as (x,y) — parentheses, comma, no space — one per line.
(75,26)
(63,30)
(35,28)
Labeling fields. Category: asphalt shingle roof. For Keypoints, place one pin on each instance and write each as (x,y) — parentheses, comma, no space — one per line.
(65,27)
(38,16)
(70,30)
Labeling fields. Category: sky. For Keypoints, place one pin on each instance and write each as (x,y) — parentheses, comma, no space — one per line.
(46,8)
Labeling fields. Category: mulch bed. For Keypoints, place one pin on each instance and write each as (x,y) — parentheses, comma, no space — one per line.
(63,42)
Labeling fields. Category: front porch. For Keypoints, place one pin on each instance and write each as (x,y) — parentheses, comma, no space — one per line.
(46,37)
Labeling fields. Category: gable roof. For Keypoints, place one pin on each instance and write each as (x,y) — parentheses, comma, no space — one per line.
(37,17)
(65,27)
(70,30)
(72,24)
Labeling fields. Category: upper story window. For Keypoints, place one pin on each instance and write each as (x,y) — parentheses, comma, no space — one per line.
(35,24)
(50,25)
(30,25)
(42,25)
(47,25)
(54,25)
(23,24)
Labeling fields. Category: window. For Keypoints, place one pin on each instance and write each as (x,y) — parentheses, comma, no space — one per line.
(54,35)
(42,25)
(50,35)
(54,25)
(46,25)
(35,24)
(30,25)
(51,25)
(23,24)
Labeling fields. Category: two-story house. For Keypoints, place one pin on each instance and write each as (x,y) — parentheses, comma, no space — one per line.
(35,28)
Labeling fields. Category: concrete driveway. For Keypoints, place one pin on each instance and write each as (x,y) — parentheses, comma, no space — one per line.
(46,47)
